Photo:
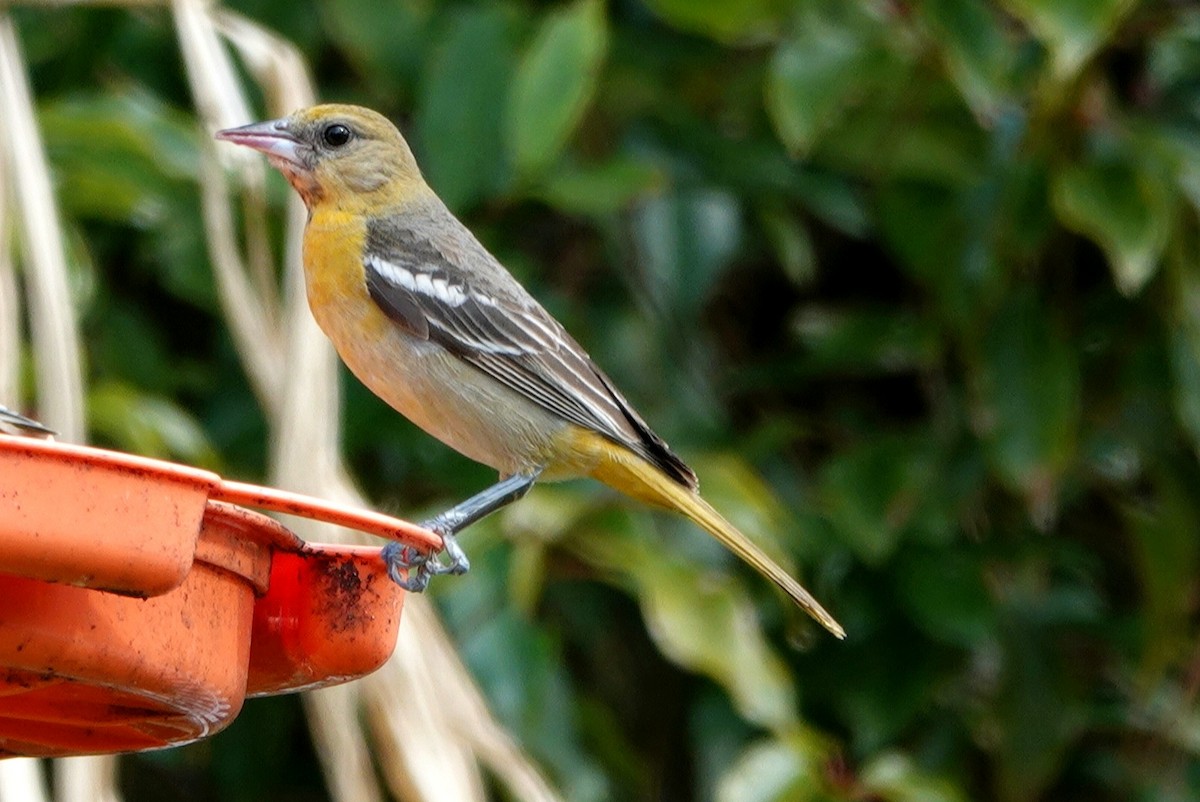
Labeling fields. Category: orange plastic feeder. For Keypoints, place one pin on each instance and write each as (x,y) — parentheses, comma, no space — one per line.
(139,605)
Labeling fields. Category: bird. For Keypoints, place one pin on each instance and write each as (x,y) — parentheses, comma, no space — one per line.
(16,423)
(431,322)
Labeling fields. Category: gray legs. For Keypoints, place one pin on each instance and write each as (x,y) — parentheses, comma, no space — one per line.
(411,569)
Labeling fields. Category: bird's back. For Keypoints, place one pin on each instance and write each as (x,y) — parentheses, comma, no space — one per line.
(431,275)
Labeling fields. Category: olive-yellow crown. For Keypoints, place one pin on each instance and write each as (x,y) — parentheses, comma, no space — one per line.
(336,152)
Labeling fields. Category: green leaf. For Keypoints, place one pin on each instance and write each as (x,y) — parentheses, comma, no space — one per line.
(527,575)
(706,625)
(699,619)
(120,157)
(685,240)
(602,189)
(1182,153)
(1027,385)
(520,667)
(936,141)
(811,80)
(872,492)
(731,21)
(1125,210)
(867,340)
(152,426)
(1166,557)
(1185,374)
(971,40)
(128,159)
(1071,29)
(894,777)
(791,243)
(461,104)
(132,123)
(954,251)
(386,40)
(836,200)
(946,594)
(791,768)
(1036,714)
(883,681)
(554,83)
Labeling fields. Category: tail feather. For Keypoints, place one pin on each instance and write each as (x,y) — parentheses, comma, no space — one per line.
(630,474)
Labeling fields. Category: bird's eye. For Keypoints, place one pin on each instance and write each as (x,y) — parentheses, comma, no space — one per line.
(336,135)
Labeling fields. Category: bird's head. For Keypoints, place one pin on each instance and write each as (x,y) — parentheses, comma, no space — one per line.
(339,153)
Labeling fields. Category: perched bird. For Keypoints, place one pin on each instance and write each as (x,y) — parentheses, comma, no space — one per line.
(16,423)
(434,325)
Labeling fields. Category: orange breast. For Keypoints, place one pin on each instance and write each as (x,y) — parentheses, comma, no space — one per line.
(445,396)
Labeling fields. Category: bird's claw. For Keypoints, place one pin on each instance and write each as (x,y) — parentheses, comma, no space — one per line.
(411,568)
(405,566)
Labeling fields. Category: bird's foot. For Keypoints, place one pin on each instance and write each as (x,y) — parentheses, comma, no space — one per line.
(411,568)
(406,566)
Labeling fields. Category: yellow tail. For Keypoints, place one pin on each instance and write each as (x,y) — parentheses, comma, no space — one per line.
(628,473)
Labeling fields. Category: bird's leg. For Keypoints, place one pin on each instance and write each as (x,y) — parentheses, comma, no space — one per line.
(449,523)
(418,567)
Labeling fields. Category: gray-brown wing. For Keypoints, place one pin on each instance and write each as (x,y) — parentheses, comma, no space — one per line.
(509,337)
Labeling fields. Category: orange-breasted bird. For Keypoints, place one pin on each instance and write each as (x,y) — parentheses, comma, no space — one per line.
(434,325)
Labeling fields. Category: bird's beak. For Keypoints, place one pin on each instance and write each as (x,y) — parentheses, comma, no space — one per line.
(272,138)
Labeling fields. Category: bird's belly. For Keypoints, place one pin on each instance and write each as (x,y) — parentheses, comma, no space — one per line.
(449,399)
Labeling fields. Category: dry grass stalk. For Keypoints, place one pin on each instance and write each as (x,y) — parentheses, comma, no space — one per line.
(52,320)
(429,722)
(86,779)
(54,332)
(21,781)
(10,304)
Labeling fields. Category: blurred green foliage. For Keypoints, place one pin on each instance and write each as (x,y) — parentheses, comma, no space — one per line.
(913,283)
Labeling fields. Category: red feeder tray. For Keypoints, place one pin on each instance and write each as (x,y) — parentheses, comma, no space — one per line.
(139,606)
